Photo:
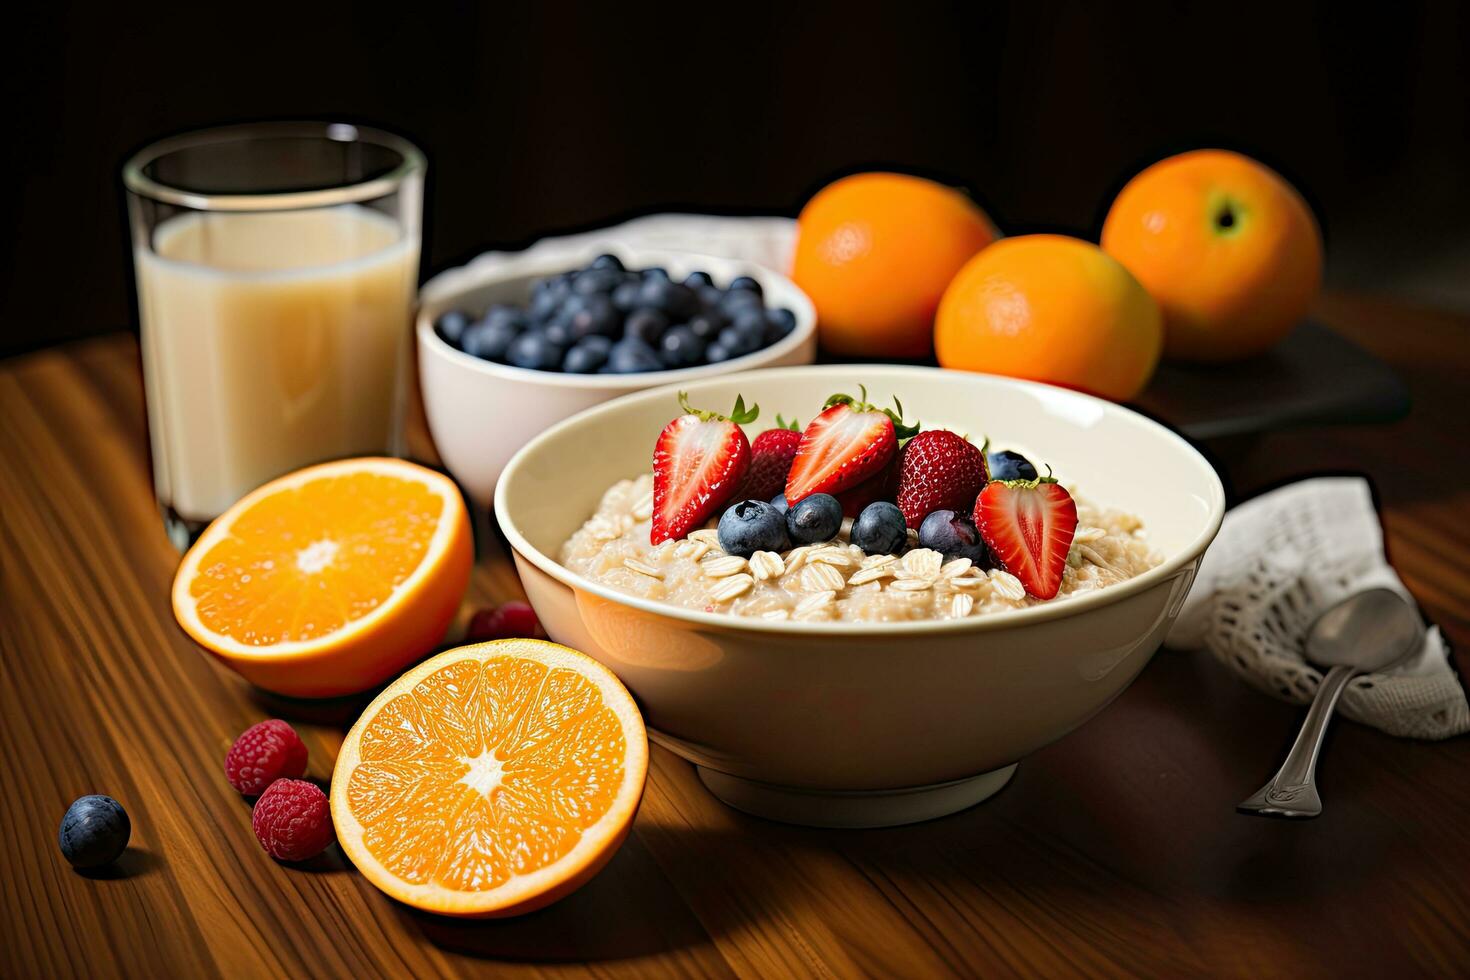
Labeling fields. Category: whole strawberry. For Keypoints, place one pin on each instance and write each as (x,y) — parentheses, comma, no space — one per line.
(1028,526)
(771,454)
(698,461)
(939,470)
(847,444)
(882,485)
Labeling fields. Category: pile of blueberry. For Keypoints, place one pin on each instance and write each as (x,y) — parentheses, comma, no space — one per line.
(605,319)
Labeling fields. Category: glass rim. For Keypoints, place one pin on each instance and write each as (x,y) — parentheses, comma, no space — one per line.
(138,182)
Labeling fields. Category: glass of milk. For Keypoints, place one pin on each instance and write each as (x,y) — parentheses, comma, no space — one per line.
(276,269)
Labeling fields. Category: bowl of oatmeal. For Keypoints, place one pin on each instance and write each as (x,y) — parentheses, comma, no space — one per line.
(832,682)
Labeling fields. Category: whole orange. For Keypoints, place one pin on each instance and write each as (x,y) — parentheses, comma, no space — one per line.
(1051,308)
(875,251)
(1227,247)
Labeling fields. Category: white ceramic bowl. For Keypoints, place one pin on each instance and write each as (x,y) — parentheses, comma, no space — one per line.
(847,724)
(480,412)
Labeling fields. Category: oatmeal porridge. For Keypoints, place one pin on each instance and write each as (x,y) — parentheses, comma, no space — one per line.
(833,580)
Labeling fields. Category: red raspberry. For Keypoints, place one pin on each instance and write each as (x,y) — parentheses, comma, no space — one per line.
(263,753)
(511,620)
(292,820)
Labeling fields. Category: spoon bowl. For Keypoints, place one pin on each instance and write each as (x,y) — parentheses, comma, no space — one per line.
(1370,631)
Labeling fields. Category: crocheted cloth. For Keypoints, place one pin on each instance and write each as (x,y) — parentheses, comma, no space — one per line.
(1282,558)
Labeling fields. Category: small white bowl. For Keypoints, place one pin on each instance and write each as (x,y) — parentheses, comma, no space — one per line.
(868,724)
(481,412)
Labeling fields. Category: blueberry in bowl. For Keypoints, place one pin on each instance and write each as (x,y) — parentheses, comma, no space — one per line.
(509,347)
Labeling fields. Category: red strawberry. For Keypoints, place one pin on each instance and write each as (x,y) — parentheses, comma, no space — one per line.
(880,486)
(849,442)
(697,462)
(938,470)
(1028,526)
(771,453)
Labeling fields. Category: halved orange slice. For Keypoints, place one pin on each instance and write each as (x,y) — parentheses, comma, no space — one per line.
(492,779)
(331,579)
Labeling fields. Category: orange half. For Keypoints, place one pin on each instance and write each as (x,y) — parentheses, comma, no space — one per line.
(492,779)
(331,579)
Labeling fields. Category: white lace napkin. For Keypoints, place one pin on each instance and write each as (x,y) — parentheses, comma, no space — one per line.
(1278,561)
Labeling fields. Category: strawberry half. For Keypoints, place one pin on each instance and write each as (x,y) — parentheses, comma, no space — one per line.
(845,445)
(1028,526)
(698,460)
(939,470)
(771,454)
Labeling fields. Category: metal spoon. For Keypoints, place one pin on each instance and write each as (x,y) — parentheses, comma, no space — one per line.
(1369,631)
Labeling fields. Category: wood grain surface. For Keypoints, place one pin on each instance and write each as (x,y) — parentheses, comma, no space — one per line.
(1114,852)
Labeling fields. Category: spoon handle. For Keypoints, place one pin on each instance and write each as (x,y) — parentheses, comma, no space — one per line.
(1292,792)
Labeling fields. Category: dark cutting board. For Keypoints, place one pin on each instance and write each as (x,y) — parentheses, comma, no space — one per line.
(1315,376)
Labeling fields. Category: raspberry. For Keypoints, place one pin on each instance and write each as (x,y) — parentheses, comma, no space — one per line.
(292,820)
(512,620)
(263,753)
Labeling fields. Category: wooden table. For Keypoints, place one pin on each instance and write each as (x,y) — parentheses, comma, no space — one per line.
(1115,851)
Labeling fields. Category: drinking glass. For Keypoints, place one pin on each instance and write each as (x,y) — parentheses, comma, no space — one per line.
(276,267)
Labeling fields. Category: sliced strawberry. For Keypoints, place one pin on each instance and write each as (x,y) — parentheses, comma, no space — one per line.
(771,454)
(1028,526)
(845,445)
(698,460)
(938,470)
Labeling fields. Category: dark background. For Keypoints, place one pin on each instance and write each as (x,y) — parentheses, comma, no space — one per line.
(539,118)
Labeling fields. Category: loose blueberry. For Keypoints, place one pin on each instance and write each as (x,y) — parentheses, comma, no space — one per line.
(880,529)
(655,272)
(717,352)
(751,526)
(451,326)
(779,502)
(625,297)
(679,347)
(596,316)
(632,356)
(645,325)
(605,261)
(589,354)
(536,351)
(779,323)
(94,831)
(745,282)
(814,518)
(697,279)
(489,343)
(952,535)
(1006,464)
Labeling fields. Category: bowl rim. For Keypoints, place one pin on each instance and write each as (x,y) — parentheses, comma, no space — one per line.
(1051,610)
(450,287)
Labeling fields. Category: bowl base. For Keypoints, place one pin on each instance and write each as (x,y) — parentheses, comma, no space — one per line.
(853,808)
